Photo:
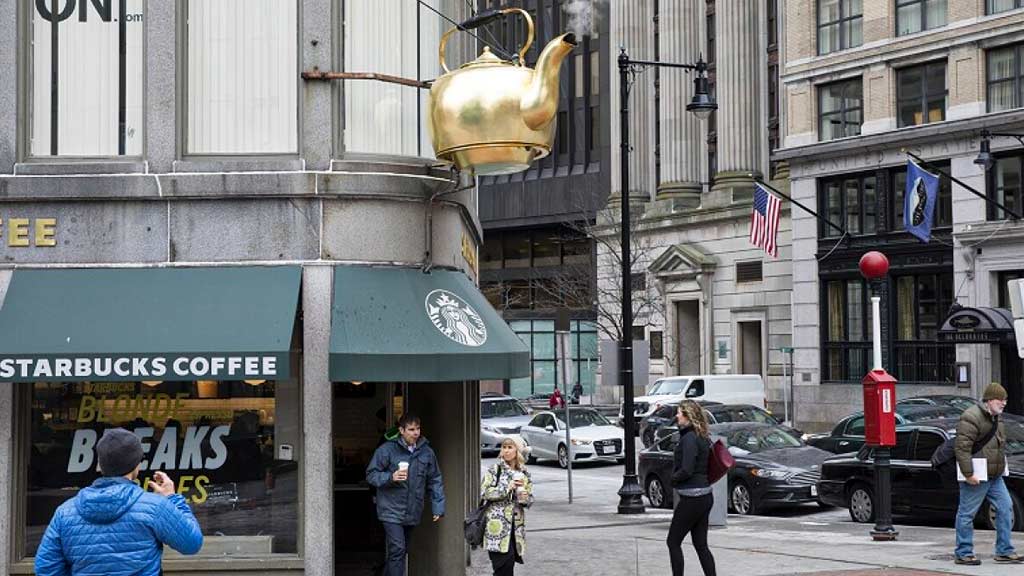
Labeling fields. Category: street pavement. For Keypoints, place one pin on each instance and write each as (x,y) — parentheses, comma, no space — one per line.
(589,538)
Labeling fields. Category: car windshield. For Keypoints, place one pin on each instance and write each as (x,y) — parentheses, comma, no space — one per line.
(761,439)
(502,409)
(917,414)
(960,403)
(584,418)
(668,387)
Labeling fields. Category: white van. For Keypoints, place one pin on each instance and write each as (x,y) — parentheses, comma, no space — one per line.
(721,388)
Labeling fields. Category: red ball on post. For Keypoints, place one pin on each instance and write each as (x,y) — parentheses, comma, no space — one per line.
(874,265)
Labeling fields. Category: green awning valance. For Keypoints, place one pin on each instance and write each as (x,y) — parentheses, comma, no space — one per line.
(400,324)
(225,323)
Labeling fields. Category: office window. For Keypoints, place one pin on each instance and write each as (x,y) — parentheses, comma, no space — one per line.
(850,202)
(921,94)
(922,302)
(840,25)
(220,441)
(773,22)
(840,109)
(1005,185)
(997,6)
(86,69)
(242,77)
(847,334)
(917,15)
(1002,278)
(539,336)
(1005,78)
(944,204)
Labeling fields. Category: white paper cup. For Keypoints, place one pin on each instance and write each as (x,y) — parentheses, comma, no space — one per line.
(403,466)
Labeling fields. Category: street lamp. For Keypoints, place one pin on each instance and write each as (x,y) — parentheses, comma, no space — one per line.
(631,494)
(985,158)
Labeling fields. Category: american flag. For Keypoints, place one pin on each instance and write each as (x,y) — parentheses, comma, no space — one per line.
(764,221)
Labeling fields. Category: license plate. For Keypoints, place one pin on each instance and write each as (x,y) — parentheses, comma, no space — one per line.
(814,490)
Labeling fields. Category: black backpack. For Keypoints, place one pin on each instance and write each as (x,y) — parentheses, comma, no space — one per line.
(947,451)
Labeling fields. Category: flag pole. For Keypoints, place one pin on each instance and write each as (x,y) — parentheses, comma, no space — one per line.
(970,189)
(801,206)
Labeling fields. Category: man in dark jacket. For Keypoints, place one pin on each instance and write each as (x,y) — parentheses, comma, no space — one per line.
(114,527)
(976,424)
(402,470)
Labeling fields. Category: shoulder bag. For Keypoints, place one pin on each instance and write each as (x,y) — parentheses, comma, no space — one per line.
(719,461)
(946,452)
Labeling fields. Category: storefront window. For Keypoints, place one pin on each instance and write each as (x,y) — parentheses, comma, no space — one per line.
(847,337)
(922,303)
(230,447)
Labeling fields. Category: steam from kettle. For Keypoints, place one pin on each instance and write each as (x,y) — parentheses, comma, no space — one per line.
(583,16)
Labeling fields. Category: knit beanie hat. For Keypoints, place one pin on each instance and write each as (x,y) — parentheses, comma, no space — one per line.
(994,392)
(119,452)
(521,445)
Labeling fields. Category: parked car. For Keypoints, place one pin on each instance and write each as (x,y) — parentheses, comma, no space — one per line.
(593,437)
(848,434)
(773,468)
(961,403)
(724,388)
(918,489)
(716,412)
(500,416)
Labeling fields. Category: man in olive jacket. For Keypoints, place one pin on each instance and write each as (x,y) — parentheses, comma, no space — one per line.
(976,423)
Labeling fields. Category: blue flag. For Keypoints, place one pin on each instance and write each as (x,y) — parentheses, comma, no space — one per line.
(919,201)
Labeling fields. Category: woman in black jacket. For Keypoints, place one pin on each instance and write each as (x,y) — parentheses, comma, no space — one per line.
(690,482)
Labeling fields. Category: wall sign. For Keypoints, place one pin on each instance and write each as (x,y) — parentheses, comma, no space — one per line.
(134,368)
(469,255)
(28,232)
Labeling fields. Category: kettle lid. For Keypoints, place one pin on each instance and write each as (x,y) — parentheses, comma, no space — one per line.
(487,58)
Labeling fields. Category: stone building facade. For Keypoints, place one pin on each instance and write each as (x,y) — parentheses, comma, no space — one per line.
(179,200)
(707,301)
(863,82)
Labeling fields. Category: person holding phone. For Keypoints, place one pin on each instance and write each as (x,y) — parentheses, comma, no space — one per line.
(115,527)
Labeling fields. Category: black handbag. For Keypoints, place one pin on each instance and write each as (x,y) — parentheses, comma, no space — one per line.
(475,524)
(946,452)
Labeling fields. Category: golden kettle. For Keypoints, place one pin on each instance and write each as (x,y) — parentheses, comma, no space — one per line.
(493,116)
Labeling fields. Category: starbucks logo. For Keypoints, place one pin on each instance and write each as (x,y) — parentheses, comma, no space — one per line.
(455,319)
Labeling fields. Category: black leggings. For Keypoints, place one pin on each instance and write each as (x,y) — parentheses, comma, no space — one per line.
(505,564)
(691,516)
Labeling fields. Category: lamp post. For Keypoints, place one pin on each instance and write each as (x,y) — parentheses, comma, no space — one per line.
(879,404)
(631,494)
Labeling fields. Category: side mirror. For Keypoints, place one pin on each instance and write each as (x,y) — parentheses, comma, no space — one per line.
(550,428)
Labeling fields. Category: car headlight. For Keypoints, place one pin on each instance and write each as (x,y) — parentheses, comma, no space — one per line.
(576,442)
(490,429)
(770,474)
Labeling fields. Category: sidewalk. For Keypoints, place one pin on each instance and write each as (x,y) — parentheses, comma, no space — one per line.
(588,540)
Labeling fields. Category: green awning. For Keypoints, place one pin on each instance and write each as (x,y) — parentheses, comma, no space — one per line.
(173,324)
(400,324)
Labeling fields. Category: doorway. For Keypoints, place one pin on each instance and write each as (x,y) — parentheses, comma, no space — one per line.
(688,336)
(363,415)
(750,350)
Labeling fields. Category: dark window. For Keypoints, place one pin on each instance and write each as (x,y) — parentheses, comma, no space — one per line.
(1005,75)
(855,427)
(638,281)
(997,6)
(850,202)
(711,37)
(491,254)
(217,439)
(840,109)
(922,304)
(944,210)
(1004,292)
(563,132)
(921,94)
(516,249)
(773,22)
(594,133)
(773,94)
(927,443)
(576,250)
(546,248)
(749,271)
(669,443)
(1005,185)
(639,333)
(657,345)
(847,330)
(917,15)
(840,25)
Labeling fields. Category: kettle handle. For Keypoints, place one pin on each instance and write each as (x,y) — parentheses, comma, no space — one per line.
(481,19)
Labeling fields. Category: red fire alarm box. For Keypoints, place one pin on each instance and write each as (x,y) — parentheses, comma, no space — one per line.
(879,408)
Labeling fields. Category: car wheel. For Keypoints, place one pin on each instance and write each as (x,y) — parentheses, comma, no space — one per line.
(1018,514)
(740,499)
(862,504)
(563,456)
(656,493)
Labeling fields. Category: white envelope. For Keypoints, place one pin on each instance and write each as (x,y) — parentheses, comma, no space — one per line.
(980,470)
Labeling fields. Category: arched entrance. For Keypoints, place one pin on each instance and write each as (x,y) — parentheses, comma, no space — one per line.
(994,327)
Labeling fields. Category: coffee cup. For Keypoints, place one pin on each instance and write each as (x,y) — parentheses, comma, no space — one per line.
(403,466)
(517,477)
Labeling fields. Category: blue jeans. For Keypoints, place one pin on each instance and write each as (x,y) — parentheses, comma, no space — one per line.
(398,537)
(971,498)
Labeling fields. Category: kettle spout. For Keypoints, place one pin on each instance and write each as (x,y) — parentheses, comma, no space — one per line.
(540,102)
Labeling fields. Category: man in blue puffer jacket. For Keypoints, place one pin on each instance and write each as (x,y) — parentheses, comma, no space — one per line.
(402,470)
(114,527)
